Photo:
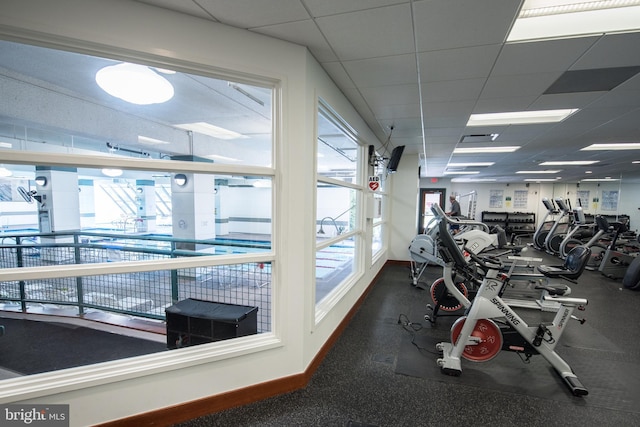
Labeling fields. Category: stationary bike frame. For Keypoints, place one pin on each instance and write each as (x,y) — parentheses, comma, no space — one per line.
(488,304)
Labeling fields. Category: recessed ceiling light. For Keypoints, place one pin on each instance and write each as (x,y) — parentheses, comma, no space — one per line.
(635,162)
(618,146)
(4,172)
(476,150)
(520,117)
(464,165)
(599,179)
(536,172)
(6,144)
(211,130)
(112,172)
(570,163)
(570,18)
(134,83)
(542,179)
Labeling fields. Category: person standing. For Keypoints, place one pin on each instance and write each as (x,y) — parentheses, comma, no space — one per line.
(455,207)
(454,212)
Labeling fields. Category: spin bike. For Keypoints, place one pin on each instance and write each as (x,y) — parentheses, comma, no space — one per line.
(478,336)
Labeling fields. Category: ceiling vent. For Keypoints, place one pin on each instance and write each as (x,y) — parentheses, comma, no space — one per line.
(487,137)
(595,80)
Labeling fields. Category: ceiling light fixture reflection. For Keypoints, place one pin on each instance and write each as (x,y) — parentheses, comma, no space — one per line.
(520,117)
(536,172)
(151,141)
(134,83)
(211,130)
(542,179)
(461,172)
(4,172)
(618,146)
(113,173)
(570,163)
(478,150)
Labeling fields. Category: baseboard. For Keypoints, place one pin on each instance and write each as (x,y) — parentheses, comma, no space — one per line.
(172,415)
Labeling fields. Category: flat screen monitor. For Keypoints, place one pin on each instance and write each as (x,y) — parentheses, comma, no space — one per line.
(394,160)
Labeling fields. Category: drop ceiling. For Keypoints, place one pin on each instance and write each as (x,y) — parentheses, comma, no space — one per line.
(416,70)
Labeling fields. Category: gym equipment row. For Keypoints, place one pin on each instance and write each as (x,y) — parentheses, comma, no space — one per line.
(491,324)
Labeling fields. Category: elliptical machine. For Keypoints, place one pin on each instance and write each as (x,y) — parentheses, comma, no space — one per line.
(580,228)
(540,235)
(559,229)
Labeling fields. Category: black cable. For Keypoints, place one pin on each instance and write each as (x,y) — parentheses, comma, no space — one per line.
(412,328)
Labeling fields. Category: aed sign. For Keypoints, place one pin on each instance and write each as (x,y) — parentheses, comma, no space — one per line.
(374,183)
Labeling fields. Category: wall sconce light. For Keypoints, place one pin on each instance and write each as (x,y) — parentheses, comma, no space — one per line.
(180,179)
(41,181)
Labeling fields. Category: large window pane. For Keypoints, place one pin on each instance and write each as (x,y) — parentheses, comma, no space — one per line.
(60,104)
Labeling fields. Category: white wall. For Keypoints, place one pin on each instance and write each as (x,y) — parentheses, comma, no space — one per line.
(404,207)
(130,30)
(628,196)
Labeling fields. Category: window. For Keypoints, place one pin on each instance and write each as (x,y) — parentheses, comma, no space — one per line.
(93,176)
(339,196)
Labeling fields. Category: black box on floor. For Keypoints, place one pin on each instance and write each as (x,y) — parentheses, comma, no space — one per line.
(192,321)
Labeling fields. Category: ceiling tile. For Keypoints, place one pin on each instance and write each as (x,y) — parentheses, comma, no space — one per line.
(518,85)
(388,70)
(613,50)
(454,64)
(540,57)
(461,23)
(251,13)
(301,32)
(370,33)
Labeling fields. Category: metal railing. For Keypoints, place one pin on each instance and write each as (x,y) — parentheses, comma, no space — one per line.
(143,294)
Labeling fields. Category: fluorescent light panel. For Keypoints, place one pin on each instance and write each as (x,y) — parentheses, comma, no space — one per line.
(461,172)
(563,21)
(536,172)
(472,164)
(570,163)
(542,179)
(520,117)
(619,146)
(473,180)
(151,141)
(477,150)
(599,179)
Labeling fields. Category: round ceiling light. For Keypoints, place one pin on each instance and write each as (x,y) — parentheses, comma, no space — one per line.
(112,172)
(134,83)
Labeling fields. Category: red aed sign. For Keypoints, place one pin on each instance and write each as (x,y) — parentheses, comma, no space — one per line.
(374,183)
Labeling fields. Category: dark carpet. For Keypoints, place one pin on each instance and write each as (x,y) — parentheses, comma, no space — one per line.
(31,347)
(360,383)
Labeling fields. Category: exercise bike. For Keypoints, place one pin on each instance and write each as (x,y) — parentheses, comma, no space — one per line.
(491,325)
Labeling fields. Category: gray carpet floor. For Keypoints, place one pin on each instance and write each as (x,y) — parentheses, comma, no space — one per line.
(382,371)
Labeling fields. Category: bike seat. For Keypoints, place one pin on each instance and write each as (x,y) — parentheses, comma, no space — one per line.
(573,266)
(558,290)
